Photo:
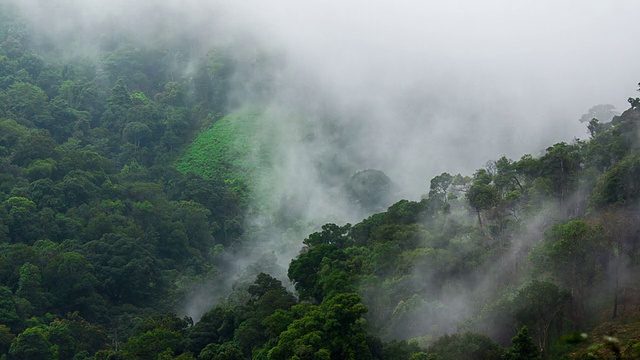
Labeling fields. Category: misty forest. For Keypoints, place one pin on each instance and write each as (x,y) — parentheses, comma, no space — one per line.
(177,183)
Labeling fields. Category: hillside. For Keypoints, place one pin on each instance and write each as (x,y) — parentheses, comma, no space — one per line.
(144,214)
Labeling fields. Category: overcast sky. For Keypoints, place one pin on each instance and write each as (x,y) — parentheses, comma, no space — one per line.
(495,77)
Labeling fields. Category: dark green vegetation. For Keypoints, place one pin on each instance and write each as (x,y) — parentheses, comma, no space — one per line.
(123,182)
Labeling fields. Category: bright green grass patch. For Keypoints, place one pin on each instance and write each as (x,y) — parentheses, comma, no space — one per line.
(245,150)
(225,150)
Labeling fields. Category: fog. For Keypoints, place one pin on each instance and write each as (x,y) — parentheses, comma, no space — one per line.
(444,86)
(418,87)
(448,86)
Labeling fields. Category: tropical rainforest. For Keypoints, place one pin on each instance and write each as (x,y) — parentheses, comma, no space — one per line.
(127,187)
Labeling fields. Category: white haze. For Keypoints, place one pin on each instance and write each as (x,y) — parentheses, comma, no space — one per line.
(422,87)
(446,85)
(452,84)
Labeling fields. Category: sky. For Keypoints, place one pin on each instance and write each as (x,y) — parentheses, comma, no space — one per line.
(450,85)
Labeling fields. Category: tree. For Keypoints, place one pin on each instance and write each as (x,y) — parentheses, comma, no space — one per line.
(125,268)
(117,105)
(399,350)
(465,346)
(125,62)
(331,330)
(74,335)
(89,161)
(27,104)
(12,258)
(78,187)
(263,284)
(602,112)
(83,95)
(560,166)
(523,347)
(482,195)
(135,132)
(595,127)
(527,168)
(304,271)
(8,313)
(73,284)
(173,94)
(371,189)
(216,326)
(226,351)
(32,344)
(267,297)
(195,218)
(619,184)
(22,212)
(38,145)
(572,254)
(150,344)
(11,133)
(6,338)
(538,305)
(40,169)
(31,288)
(439,186)
(619,240)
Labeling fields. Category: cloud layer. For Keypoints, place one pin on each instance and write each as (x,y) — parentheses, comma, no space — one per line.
(434,86)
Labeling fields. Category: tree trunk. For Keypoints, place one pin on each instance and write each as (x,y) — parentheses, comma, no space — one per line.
(615,292)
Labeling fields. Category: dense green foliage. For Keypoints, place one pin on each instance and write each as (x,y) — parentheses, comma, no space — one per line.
(223,151)
(97,227)
(125,182)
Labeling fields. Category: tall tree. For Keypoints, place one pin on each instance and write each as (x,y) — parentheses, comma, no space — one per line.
(482,195)
(523,347)
(560,166)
